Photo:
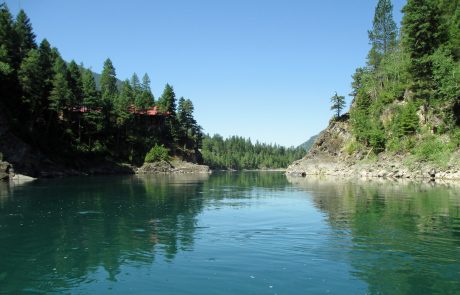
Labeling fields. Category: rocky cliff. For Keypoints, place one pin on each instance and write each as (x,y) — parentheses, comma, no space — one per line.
(330,155)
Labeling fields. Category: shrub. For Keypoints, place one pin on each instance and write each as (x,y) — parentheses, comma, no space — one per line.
(432,149)
(157,153)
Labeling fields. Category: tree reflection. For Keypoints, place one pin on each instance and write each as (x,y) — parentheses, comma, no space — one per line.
(54,232)
(405,237)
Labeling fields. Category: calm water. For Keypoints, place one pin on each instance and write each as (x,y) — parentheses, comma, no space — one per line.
(247,233)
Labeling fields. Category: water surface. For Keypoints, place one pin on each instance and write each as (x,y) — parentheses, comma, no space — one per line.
(228,233)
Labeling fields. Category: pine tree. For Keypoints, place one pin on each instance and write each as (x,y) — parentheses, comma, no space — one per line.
(25,38)
(7,34)
(136,90)
(75,83)
(47,57)
(422,35)
(338,104)
(109,88)
(383,34)
(167,101)
(167,105)
(31,80)
(61,95)
(147,95)
(5,67)
(144,97)
(125,98)
(92,117)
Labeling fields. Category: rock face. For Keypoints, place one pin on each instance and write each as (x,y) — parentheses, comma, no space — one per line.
(173,167)
(25,159)
(5,169)
(328,156)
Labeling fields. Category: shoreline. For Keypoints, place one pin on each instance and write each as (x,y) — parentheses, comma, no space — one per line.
(384,167)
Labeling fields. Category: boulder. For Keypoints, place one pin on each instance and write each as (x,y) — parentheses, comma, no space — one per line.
(5,170)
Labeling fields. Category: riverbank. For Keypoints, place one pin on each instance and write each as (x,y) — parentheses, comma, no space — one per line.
(331,155)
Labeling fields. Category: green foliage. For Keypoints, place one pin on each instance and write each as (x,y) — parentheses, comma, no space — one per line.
(167,101)
(157,153)
(74,78)
(353,146)
(423,33)
(61,97)
(383,34)
(446,74)
(25,37)
(421,72)
(109,88)
(433,149)
(240,153)
(406,121)
(338,104)
(57,108)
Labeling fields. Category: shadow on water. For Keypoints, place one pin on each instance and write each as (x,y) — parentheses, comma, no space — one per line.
(404,237)
(57,231)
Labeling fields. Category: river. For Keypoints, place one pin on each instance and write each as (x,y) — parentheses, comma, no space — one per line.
(229,233)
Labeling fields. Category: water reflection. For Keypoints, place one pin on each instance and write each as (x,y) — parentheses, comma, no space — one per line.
(57,231)
(404,237)
(229,232)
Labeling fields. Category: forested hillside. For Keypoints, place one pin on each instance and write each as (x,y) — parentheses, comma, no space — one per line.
(57,107)
(406,98)
(239,153)
(404,120)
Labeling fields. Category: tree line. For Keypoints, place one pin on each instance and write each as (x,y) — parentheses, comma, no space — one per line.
(239,153)
(408,93)
(57,107)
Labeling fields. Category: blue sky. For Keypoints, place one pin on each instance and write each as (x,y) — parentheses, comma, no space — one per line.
(263,69)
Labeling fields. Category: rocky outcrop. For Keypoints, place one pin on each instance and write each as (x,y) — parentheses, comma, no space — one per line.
(173,167)
(5,169)
(329,156)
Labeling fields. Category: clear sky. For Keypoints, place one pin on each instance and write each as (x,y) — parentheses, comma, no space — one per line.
(263,69)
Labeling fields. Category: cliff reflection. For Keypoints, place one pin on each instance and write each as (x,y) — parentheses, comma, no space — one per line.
(405,236)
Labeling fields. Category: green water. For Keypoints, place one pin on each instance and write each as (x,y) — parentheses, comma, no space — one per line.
(228,233)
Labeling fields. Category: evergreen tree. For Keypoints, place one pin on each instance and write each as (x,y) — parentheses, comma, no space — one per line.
(422,35)
(136,91)
(383,34)
(188,126)
(125,98)
(123,103)
(185,114)
(25,36)
(338,104)
(7,34)
(32,82)
(47,57)
(75,83)
(5,68)
(109,88)
(144,97)
(147,95)
(167,101)
(167,105)
(61,95)
(92,117)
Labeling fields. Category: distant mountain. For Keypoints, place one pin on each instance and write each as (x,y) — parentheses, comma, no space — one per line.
(309,143)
